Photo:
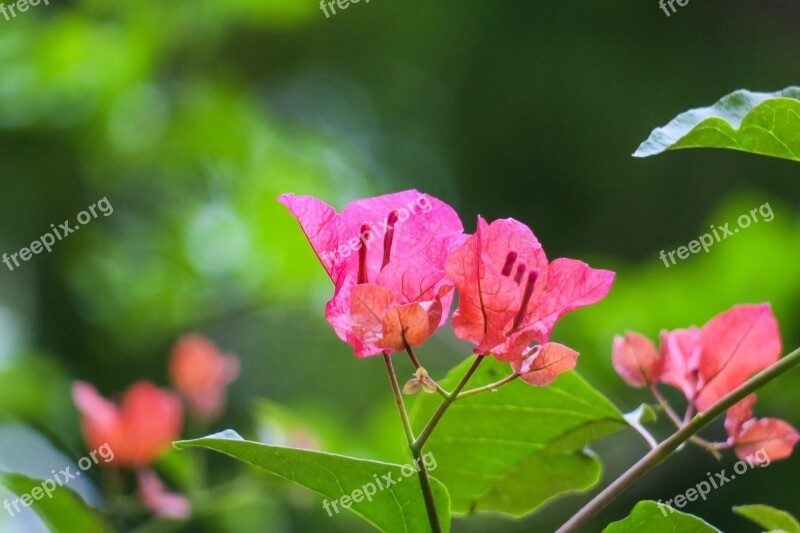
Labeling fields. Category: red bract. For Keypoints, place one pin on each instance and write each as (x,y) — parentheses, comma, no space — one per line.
(636,359)
(392,249)
(751,437)
(138,430)
(509,295)
(708,363)
(201,373)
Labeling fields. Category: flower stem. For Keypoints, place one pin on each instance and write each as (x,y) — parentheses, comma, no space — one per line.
(422,471)
(431,425)
(417,365)
(490,387)
(671,444)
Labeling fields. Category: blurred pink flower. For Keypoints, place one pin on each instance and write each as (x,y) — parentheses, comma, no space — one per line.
(140,429)
(158,500)
(201,373)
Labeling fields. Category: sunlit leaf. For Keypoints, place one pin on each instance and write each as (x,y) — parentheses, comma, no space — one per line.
(768,517)
(649,516)
(511,450)
(759,123)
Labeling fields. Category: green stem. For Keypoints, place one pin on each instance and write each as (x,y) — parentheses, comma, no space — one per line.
(665,449)
(431,425)
(490,387)
(422,471)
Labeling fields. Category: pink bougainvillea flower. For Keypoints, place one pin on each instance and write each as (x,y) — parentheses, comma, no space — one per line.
(138,430)
(636,360)
(201,373)
(158,500)
(708,363)
(765,439)
(509,295)
(680,353)
(542,364)
(385,256)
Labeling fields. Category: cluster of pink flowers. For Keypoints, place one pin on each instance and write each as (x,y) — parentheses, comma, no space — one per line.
(143,425)
(707,363)
(391,295)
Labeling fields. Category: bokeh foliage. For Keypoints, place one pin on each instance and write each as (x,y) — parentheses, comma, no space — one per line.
(191,118)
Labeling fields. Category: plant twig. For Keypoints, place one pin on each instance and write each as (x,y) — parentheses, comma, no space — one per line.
(431,425)
(490,387)
(422,471)
(665,449)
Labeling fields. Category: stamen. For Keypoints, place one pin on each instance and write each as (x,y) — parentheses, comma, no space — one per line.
(526,297)
(521,268)
(362,256)
(511,258)
(387,239)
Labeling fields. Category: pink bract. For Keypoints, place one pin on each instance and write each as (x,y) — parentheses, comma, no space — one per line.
(392,248)
(509,295)
(636,360)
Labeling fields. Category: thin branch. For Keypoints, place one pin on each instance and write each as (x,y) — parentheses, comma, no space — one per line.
(490,387)
(431,425)
(422,473)
(665,449)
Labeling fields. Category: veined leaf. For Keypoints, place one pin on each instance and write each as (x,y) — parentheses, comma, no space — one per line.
(398,507)
(759,123)
(649,516)
(511,450)
(768,517)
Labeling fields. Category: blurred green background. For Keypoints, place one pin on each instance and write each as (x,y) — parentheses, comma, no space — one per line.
(191,117)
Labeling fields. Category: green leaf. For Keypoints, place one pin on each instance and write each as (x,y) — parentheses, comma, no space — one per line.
(511,450)
(396,508)
(649,516)
(759,123)
(768,517)
(64,511)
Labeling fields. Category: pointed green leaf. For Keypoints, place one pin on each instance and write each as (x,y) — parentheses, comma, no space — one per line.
(759,123)
(649,516)
(768,517)
(511,450)
(398,507)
